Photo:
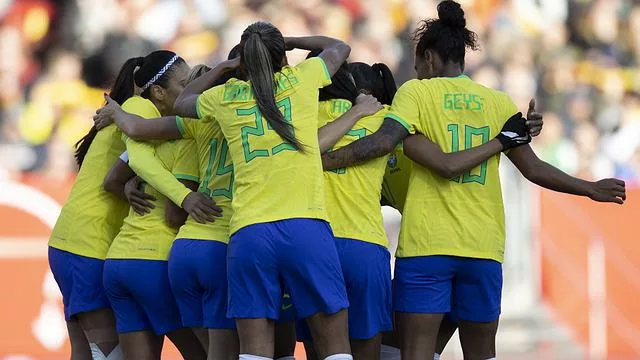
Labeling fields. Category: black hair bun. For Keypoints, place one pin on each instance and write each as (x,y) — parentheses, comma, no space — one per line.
(451,14)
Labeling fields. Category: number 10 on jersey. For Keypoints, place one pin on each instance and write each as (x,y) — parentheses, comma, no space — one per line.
(469,133)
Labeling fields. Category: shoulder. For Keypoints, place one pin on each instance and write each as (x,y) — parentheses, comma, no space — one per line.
(315,63)
(140,106)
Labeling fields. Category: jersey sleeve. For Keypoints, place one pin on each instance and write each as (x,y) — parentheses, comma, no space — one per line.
(185,166)
(142,157)
(187,127)
(315,71)
(405,107)
(208,103)
(143,161)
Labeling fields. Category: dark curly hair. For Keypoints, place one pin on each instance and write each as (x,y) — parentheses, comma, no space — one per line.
(447,35)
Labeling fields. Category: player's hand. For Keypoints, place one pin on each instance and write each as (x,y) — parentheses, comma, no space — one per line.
(534,119)
(140,202)
(105,116)
(201,207)
(367,105)
(608,190)
(514,132)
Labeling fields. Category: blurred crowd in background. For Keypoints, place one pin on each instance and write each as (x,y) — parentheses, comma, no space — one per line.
(579,59)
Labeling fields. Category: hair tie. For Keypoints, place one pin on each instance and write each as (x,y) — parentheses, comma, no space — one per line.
(160,73)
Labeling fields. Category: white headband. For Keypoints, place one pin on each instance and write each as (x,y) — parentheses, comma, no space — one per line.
(160,73)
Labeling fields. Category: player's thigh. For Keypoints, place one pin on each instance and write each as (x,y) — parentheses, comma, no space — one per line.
(418,334)
(142,345)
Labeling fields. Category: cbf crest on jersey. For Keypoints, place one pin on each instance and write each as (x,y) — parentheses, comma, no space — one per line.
(392,162)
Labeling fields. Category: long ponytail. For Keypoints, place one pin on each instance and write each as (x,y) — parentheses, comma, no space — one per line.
(122,89)
(388,83)
(376,80)
(262,52)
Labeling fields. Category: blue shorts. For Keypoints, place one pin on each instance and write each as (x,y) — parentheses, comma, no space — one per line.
(140,295)
(367,276)
(436,284)
(80,281)
(297,254)
(198,276)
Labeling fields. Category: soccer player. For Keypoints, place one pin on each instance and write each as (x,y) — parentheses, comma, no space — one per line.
(135,271)
(89,221)
(352,200)
(279,230)
(87,224)
(452,236)
(146,310)
(197,264)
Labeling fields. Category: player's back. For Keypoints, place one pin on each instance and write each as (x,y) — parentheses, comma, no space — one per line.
(464,215)
(216,178)
(273,180)
(92,217)
(353,193)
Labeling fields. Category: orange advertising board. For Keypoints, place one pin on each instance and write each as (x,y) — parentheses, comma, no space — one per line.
(590,262)
(30,302)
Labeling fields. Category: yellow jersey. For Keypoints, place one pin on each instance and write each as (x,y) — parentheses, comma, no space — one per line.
(272,181)
(216,178)
(148,237)
(462,216)
(353,193)
(92,217)
(142,157)
(330,110)
(396,179)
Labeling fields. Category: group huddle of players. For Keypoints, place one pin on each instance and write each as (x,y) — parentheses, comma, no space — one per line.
(237,209)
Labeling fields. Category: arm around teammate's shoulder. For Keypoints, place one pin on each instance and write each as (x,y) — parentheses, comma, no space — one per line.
(447,165)
(134,126)
(186,103)
(378,144)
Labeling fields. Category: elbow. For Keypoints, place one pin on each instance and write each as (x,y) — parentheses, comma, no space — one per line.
(345,49)
(530,171)
(446,171)
(530,175)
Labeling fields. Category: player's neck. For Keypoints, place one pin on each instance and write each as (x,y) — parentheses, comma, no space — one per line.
(451,69)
